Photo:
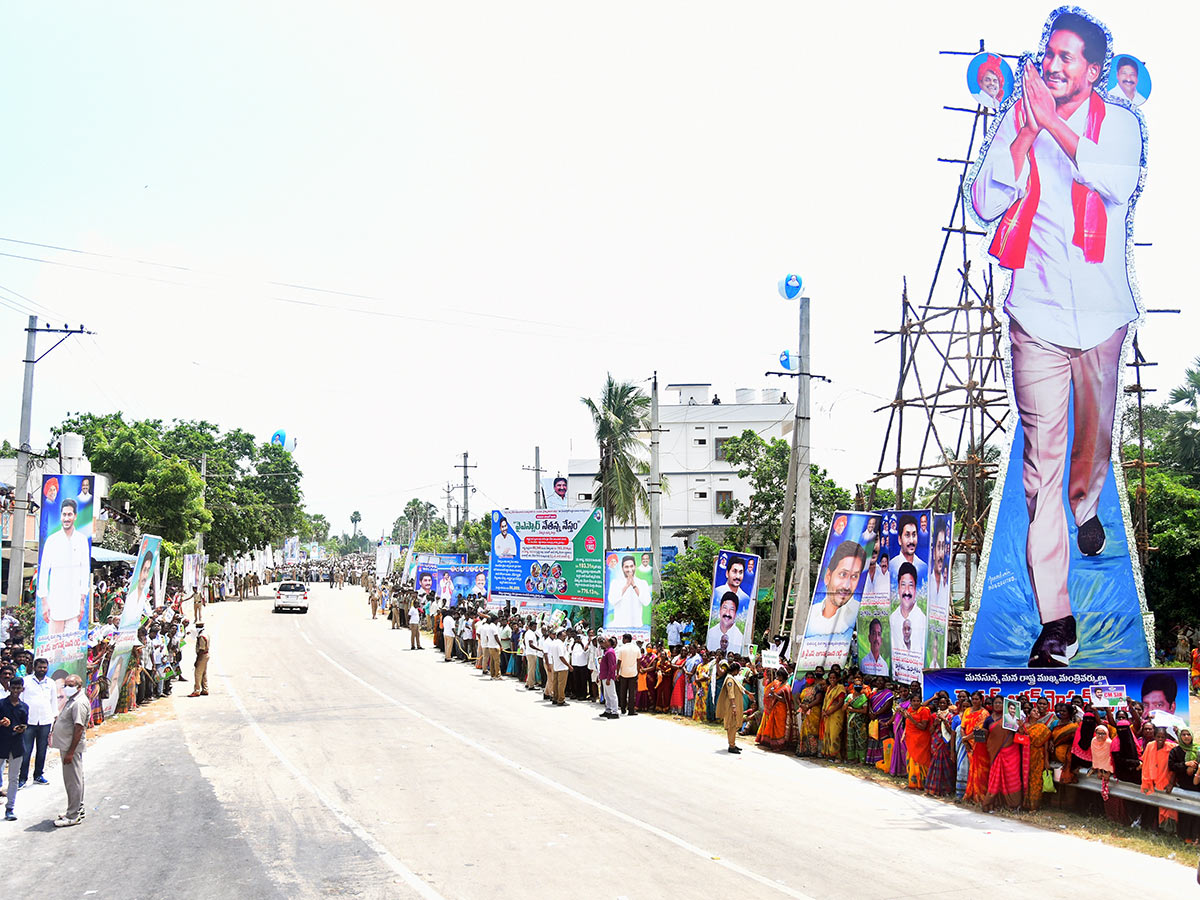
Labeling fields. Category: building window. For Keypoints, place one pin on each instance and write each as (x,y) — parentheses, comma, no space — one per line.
(724,498)
(585,496)
(700,442)
(719,447)
(701,495)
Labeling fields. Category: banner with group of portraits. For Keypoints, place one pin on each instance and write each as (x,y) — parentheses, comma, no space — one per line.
(885,577)
(731,611)
(64,576)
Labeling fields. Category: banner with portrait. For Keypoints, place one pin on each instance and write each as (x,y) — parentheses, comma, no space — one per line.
(1058,583)
(193,572)
(457,582)
(64,575)
(628,580)
(731,609)
(1158,690)
(544,557)
(291,551)
(139,601)
(555,492)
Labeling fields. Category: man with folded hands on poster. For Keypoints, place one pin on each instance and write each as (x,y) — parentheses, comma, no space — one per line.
(1060,174)
(64,573)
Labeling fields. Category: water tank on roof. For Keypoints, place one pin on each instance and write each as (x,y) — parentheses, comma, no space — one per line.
(770,395)
(746,395)
(71,445)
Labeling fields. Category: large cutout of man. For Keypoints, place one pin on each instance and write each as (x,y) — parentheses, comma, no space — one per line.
(839,611)
(630,595)
(1060,175)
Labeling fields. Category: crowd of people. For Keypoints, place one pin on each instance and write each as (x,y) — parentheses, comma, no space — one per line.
(967,748)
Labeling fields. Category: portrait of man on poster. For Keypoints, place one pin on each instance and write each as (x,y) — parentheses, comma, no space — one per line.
(1059,179)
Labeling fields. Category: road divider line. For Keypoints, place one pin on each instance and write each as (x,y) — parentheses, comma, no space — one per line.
(422,887)
(549,782)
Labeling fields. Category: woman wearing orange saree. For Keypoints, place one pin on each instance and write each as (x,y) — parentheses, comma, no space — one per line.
(973,724)
(1195,670)
(1038,728)
(777,731)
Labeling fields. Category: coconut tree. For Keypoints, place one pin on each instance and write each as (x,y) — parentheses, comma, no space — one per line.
(1184,430)
(620,412)
(355,518)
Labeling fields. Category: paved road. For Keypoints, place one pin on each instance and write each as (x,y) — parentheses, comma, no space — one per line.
(332,761)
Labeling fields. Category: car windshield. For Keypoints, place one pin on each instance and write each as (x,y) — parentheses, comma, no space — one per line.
(291,586)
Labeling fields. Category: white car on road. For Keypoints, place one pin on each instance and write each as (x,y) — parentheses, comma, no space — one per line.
(291,595)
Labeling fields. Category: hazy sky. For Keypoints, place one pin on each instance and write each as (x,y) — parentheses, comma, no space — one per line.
(520,197)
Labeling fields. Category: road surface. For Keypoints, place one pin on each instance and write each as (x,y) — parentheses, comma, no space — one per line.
(330,760)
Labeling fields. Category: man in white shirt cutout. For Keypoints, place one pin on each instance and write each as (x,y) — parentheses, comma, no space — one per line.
(1061,175)
(630,595)
(64,574)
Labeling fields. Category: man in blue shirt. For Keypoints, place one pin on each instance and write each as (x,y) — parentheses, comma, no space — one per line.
(14,718)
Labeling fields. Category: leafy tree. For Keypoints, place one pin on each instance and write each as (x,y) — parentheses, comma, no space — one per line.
(687,585)
(355,518)
(622,412)
(765,465)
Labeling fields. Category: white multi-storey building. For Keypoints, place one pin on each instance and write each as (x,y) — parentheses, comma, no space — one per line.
(698,479)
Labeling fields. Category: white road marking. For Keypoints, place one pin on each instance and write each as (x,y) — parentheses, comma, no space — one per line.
(571,792)
(408,875)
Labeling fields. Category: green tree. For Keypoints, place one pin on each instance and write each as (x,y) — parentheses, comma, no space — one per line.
(355,518)
(622,411)
(765,465)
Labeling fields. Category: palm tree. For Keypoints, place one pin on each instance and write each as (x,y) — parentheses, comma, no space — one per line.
(623,410)
(355,518)
(1184,430)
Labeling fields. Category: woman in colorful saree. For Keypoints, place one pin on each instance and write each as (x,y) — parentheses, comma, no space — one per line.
(666,680)
(880,711)
(940,781)
(1062,736)
(777,731)
(833,718)
(974,727)
(1038,728)
(962,751)
(678,684)
(700,690)
(1005,783)
(647,679)
(899,762)
(856,723)
(95,659)
(810,717)
(1157,775)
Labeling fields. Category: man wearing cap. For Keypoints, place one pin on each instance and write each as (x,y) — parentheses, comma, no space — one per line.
(67,737)
(200,683)
(14,718)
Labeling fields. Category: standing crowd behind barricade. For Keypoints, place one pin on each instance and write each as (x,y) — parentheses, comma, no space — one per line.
(968,748)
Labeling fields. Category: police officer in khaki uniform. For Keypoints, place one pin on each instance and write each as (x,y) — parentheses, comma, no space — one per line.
(200,685)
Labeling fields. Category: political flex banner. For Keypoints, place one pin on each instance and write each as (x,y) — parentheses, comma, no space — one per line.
(1059,585)
(546,556)
(425,572)
(291,551)
(64,576)
(1156,689)
(731,611)
(137,606)
(193,569)
(461,581)
(554,492)
(627,593)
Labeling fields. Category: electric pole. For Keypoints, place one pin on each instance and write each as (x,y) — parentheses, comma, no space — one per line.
(800,574)
(655,496)
(203,497)
(466,488)
(539,501)
(16,548)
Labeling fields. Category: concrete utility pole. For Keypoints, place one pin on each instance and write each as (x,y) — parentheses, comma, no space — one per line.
(539,500)
(203,496)
(16,548)
(803,505)
(466,488)
(779,603)
(655,490)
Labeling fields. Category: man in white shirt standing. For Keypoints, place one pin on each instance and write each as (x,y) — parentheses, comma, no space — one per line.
(529,644)
(41,696)
(627,675)
(558,666)
(64,574)
(1061,175)
(448,632)
(414,627)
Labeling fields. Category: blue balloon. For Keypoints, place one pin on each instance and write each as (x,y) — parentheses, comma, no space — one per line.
(790,286)
(789,361)
(279,438)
